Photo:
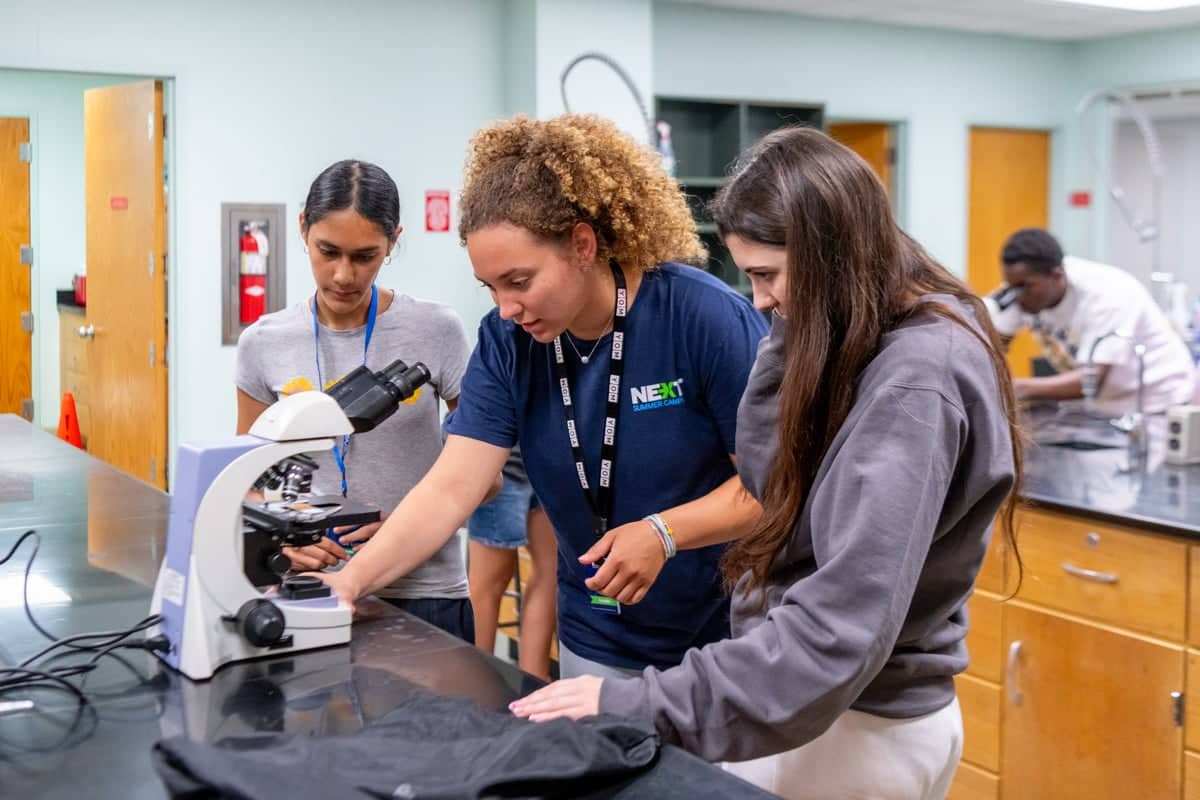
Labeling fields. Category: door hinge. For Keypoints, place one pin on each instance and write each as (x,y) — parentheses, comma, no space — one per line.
(151,263)
(153,360)
(27,254)
(891,156)
(1177,708)
(25,152)
(27,321)
(27,409)
(164,124)
(153,469)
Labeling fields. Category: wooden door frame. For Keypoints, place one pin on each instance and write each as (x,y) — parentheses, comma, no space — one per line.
(172,274)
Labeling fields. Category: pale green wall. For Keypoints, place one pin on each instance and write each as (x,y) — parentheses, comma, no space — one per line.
(936,83)
(266,95)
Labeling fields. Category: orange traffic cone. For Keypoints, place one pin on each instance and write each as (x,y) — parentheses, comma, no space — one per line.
(68,422)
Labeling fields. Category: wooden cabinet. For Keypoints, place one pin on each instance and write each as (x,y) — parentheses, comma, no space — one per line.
(1191,721)
(984,634)
(1107,573)
(1194,597)
(1191,776)
(73,364)
(972,783)
(1089,710)
(980,702)
(1072,686)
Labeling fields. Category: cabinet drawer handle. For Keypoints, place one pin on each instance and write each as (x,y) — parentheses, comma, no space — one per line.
(1010,674)
(1089,574)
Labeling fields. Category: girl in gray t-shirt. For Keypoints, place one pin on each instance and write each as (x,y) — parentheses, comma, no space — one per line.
(350,223)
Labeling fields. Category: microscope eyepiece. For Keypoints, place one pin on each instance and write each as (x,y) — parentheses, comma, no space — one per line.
(368,398)
(1006,296)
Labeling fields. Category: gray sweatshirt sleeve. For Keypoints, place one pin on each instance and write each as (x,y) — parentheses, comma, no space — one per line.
(873,514)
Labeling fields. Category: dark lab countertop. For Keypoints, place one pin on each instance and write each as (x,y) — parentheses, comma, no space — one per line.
(1110,483)
(102,539)
(65,298)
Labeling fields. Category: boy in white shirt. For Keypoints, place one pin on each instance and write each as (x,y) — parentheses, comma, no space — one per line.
(1069,303)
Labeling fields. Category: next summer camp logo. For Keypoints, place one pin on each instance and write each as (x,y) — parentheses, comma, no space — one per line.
(657,395)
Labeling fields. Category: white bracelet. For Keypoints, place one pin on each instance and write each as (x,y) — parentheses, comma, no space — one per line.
(661,539)
(665,534)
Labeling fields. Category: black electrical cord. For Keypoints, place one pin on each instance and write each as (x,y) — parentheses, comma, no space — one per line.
(153,683)
(100,644)
(107,637)
(110,637)
(35,677)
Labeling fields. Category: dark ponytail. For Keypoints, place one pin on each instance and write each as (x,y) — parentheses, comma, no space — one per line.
(359,185)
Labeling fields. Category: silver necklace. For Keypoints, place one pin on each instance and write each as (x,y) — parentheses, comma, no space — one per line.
(592,352)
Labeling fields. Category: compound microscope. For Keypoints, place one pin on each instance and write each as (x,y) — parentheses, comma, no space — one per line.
(223,591)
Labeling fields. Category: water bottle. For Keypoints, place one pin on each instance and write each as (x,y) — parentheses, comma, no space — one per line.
(1090,383)
(664,147)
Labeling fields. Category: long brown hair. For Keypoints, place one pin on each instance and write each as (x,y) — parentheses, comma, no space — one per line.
(852,276)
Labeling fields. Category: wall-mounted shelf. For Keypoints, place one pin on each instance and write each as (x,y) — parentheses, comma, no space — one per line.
(708,136)
(714,183)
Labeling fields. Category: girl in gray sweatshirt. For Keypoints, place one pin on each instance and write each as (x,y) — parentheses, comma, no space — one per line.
(877,431)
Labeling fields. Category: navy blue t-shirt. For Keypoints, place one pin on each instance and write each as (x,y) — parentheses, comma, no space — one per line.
(689,344)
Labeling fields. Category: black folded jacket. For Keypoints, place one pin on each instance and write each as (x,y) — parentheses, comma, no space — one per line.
(428,748)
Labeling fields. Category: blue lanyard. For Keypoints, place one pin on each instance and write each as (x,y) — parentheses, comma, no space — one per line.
(339,454)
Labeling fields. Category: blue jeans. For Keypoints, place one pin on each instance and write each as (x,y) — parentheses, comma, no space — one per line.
(500,522)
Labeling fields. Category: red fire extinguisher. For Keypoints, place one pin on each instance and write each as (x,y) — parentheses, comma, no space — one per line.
(253,290)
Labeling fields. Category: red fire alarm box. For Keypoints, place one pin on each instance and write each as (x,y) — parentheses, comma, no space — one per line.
(437,210)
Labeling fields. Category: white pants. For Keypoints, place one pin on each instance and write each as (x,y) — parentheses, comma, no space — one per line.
(865,757)
(572,666)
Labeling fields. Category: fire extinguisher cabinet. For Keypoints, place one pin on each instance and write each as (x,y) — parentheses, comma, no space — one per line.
(253,274)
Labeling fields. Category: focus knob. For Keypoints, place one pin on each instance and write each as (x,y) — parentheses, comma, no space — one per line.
(261,622)
(277,563)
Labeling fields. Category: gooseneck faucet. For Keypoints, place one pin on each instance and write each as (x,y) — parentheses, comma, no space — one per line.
(1133,424)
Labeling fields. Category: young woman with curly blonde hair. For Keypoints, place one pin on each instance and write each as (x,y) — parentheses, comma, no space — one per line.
(617,369)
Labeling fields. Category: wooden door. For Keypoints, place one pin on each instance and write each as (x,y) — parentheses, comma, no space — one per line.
(1009,190)
(126,303)
(871,140)
(16,364)
(1095,717)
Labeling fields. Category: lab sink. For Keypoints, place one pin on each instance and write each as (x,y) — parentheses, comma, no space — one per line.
(1080,444)
(1076,431)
